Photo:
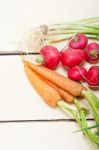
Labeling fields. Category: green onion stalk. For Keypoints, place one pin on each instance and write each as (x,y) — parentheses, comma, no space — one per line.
(62,31)
(91,127)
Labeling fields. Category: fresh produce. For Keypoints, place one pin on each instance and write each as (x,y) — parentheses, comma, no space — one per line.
(90,127)
(54,87)
(77,73)
(92,52)
(79,41)
(93,76)
(61,81)
(60,32)
(52,96)
(80,115)
(48,93)
(72,87)
(71,57)
(57,33)
(49,56)
(64,95)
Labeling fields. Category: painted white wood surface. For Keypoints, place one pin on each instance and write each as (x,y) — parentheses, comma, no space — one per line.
(18,100)
(42,136)
(17,16)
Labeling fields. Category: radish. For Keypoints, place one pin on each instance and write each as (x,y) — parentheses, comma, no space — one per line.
(77,73)
(49,56)
(79,41)
(72,57)
(93,76)
(92,51)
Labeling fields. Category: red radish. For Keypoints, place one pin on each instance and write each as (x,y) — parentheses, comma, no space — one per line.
(93,52)
(49,56)
(93,76)
(79,41)
(72,57)
(77,73)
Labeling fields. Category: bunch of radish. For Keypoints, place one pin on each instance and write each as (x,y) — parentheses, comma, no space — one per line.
(78,52)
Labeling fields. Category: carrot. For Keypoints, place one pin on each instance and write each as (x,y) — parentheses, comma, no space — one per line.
(61,81)
(48,93)
(64,95)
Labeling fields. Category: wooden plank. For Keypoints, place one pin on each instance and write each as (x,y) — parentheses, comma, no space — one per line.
(42,135)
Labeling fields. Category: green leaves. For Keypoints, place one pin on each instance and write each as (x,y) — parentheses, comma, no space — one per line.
(93,103)
(80,114)
(88,128)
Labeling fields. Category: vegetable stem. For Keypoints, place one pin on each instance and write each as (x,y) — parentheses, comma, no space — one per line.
(62,106)
(93,102)
(89,27)
(83,113)
(80,118)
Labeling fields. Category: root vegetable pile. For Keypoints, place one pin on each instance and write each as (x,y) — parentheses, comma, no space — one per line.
(57,89)
(78,52)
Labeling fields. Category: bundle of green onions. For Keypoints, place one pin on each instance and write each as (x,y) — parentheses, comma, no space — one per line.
(57,33)
(63,31)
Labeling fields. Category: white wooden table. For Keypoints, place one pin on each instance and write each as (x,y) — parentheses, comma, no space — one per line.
(26,122)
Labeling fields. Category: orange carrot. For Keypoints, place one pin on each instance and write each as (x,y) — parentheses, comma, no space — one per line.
(61,81)
(48,93)
(64,95)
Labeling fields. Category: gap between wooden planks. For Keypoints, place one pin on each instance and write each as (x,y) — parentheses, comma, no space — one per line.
(15,52)
(40,120)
